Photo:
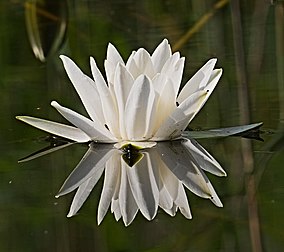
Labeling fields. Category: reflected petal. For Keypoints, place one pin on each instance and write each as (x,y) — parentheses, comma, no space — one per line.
(182,165)
(203,158)
(144,187)
(111,178)
(127,203)
(92,164)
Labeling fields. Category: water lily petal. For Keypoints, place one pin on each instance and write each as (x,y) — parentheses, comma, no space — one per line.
(172,212)
(112,59)
(113,55)
(169,66)
(173,69)
(204,160)
(166,103)
(182,202)
(82,194)
(131,66)
(57,129)
(92,164)
(161,54)
(143,186)
(182,166)
(92,129)
(85,88)
(180,117)
(123,82)
(176,74)
(139,108)
(127,203)
(109,105)
(198,81)
(144,63)
(115,209)
(111,178)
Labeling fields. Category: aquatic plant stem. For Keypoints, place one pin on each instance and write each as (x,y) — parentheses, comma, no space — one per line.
(199,24)
(246,146)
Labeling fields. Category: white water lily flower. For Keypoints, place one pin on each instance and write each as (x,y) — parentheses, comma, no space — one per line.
(139,103)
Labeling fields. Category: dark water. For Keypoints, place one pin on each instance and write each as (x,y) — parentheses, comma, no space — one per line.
(247,37)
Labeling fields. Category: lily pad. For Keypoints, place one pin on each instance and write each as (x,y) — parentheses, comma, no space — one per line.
(222,132)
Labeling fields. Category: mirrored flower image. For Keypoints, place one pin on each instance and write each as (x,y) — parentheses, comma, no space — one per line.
(156,178)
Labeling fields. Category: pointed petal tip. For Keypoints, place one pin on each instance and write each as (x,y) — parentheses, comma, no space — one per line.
(165,40)
(92,60)
(19,117)
(54,104)
(65,59)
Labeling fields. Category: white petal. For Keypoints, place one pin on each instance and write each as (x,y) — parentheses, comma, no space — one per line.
(161,54)
(199,80)
(113,55)
(112,175)
(127,202)
(159,82)
(177,121)
(92,164)
(176,75)
(203,158)
(123,82)
(144,63)
(144,188)
(85,88)
(182,202)
(168,180)
(172,211)
(165,200)
(170,65)
(132,67)
(139,108)
(113,58)
(82,194)
(166,103)
(92,129)
(58,129)
(183,167)
(108,102)
(115,209)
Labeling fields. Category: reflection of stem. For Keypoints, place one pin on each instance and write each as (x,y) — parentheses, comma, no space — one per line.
(32,7)
(198,25)
(246,147)
(279,21)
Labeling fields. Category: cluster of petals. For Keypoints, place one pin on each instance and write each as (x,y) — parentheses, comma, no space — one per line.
(158,179)
(139,102)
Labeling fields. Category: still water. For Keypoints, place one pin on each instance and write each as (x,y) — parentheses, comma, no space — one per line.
(247,37)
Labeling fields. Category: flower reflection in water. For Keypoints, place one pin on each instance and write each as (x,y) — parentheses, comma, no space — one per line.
(143,180)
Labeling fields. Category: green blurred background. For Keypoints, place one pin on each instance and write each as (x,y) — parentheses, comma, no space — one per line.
(247,37)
